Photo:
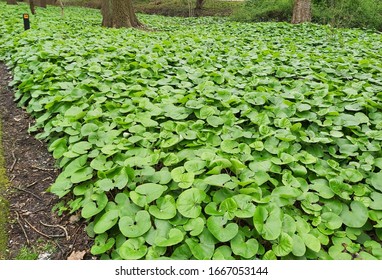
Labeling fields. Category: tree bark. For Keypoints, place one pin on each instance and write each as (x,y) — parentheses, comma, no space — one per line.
(199,4)
(119,13)
(199,7)
(302,11)
(11,2)
(42,3)
(31,6)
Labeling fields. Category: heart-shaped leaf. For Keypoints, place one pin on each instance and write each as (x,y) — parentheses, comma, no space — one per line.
(222,230)
(135,225)
(244,248)
(268,223)
(133,249)
(106,222)
(194,226)
(146,193)
(358,215)
(217,180)
(188,202)
(164,209)
(283,246)
(92,207)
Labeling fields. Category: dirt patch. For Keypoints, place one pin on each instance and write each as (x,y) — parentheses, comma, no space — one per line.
(31,170)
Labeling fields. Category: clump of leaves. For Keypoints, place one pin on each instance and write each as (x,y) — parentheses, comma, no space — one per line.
(236,141)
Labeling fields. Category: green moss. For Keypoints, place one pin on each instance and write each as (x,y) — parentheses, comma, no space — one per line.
(3,203)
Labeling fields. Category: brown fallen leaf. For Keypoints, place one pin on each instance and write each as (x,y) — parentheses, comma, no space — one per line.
(77,255)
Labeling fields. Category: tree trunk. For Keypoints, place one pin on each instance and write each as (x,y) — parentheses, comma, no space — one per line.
(119,13)
(11,2)
(302,11)
(31,6)
(42,3)
(198,7)
(199,4)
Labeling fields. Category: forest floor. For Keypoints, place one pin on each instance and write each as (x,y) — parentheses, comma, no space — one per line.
(32,230)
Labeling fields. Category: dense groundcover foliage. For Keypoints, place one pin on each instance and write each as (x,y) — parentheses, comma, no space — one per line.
(207,139)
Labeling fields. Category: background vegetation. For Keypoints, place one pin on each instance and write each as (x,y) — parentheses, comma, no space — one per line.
(338,13)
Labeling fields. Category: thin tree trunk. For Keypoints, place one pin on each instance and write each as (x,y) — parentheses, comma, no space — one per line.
(198,7)
(61,6)
(11,2)
(42,3)
(119,13)
(31,6)
(302,11)
(199,4)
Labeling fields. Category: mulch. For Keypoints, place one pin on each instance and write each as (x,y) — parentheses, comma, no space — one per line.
(30,171)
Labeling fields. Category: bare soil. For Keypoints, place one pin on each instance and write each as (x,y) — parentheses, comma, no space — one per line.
(30,171)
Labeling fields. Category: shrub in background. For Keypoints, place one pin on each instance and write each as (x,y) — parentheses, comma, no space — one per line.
(338,13)
(349,13)
(264,10)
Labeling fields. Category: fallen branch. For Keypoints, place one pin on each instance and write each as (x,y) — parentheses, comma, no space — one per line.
(32,184)
(14,161)
(41,233)
(22,227)
(59,226)
(43,168)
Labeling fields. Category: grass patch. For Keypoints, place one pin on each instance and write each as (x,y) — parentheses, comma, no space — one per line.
(33,252)
(3,203)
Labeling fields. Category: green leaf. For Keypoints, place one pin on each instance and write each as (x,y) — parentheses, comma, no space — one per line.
(206,112)
(81,147)
(88,128)
(331,220)
(58,147)
(74,113)
(135,225)
(299,248)
(244,248)
(268,224)
(217,180)
(229,146)
(376,203)
(188,202)
(311,241)
(173,237)
(223,253)
(200,251)
(106,222)
(358,215)
(194,226)
(376,180)
(261,177)
(146,193)
(94,206)
(164,209)
(102,244)
(195,166)
(284,245)
(133,249)
(222,230)
(185,180)
(245,205)
(351,175)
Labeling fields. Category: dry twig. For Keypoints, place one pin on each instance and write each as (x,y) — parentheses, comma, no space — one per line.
(59,226)
(14,161)
(22,227)
(42,168)
(41,233)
